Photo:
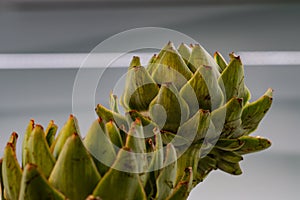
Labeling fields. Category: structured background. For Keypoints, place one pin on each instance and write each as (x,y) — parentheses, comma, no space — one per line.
(75,27)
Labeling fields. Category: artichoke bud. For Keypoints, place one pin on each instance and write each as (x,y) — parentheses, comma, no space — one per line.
(168,110)
(35,187)
(70,127)
(113,103)
(140,89)
(171,63)
(39,152)
(219,59)
(254,112)
(233,80)
(199,57)
(11,172)
(50,132)
(74,165)
(185,52)
(100,146)
(205,87)
(25,142)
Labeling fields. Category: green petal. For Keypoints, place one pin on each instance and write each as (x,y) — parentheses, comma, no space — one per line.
(148,125)
(119,185)
(113,103)
(233,80)
(108,115)
(39,152)
(196,127)
(185,160)
(35,186)
(205,166)
(228,167)
(152,64)
(154,61)
(253,144)
(171,63)
(74,165)
(67,130)
(229,144)
(220,61)
(50,133)
(135,62)
(185,52)
(11,172)
(167,177)
(136,143)
(140,89)
(114,134)
(200,57)
(25,156)
(228,118)
(254,112)
(13,140)
(168,109)
(100,147)
(229,156)
(203,91)
(183,188)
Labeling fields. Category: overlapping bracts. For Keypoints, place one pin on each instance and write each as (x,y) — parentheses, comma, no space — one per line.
(186,114)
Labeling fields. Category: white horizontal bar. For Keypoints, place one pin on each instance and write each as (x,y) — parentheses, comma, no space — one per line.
(270,57)
(64,60)
(74,60)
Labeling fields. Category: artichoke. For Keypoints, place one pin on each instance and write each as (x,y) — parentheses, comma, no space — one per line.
(186,114)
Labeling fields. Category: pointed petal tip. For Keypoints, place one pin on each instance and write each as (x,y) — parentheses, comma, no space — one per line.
(15,135)
(30,166)
(203,111)
(232,55)
(39,126)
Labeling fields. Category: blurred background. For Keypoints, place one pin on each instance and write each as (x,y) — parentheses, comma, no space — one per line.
(264,32)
